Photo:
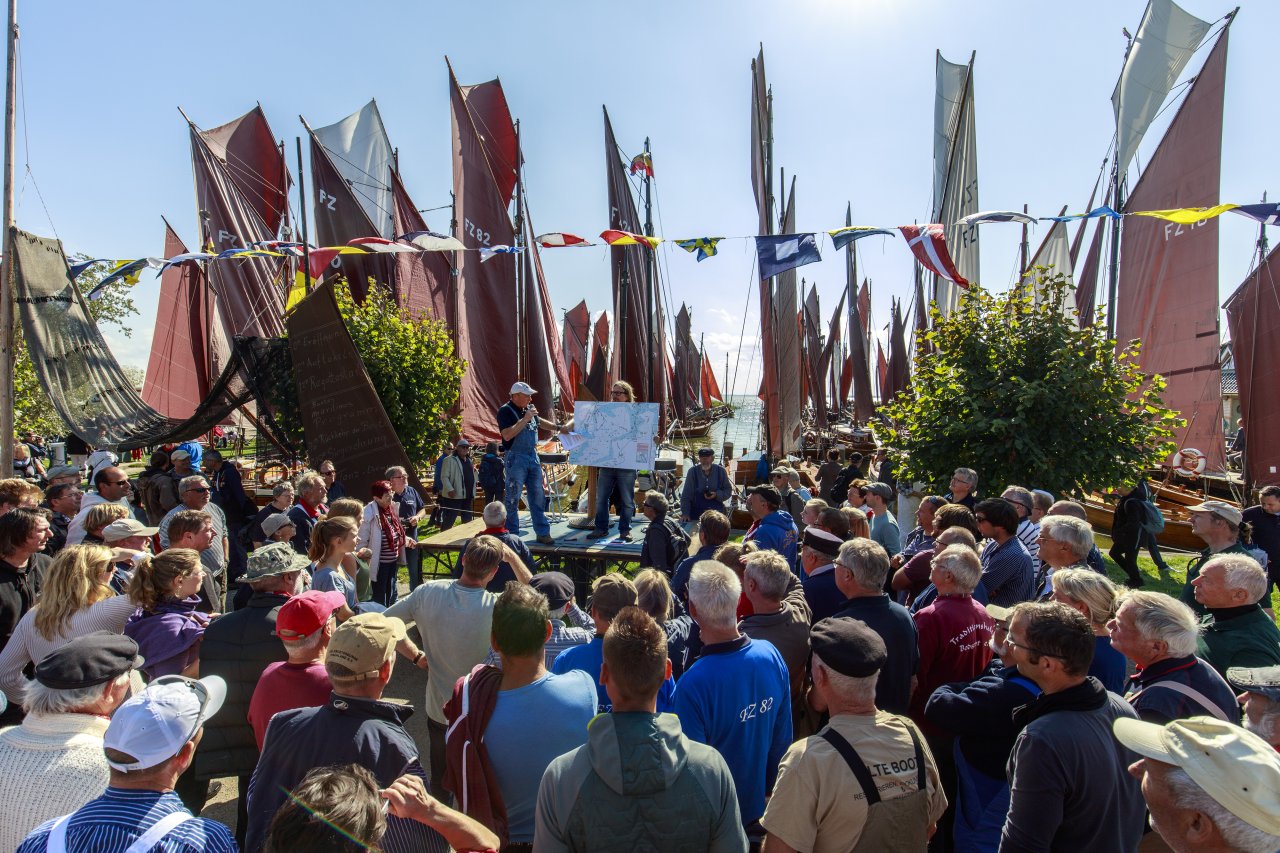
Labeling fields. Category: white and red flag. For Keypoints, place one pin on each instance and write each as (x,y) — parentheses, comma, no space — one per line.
(929,244)
(557,239)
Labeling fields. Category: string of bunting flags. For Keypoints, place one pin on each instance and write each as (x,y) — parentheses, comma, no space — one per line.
(775,253)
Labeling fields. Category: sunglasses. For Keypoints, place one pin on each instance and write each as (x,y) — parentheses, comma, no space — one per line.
(1014,644)
(200,491)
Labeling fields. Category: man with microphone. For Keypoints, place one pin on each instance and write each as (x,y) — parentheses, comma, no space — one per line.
(518,422)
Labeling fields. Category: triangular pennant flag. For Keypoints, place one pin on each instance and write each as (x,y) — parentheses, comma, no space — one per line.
(996,216)
(784,252)
(842,237)
(704,246)
(189,256)
(559,239)
(297,292)
(626,238)
(642,163)
(487,252)
(1268,214)
(1187,215)
(929,244)
(432,242)
(377,244)
(1104,210)
(77,270)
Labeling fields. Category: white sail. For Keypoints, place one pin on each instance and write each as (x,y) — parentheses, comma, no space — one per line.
(361,152)
(1165,41)
(955,172)
(1054,252)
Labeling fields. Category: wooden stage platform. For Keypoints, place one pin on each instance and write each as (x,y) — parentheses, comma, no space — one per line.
(572,552)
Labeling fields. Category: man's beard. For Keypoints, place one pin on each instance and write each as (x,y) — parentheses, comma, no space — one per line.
(1268,729)
(299,584)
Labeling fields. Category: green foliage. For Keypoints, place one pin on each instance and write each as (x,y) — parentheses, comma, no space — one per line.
(31,406)
(413,366)
(1016,391)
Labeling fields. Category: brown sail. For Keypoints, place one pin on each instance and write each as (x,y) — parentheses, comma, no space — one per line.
(249,291)
(179,369)
(423,280)
(790,369)
(577,331)
(1168,293)
(483,179)
(598,373)
(1253,316)
(762,188)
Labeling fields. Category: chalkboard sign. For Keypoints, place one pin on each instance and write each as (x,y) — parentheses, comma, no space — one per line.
(341,413)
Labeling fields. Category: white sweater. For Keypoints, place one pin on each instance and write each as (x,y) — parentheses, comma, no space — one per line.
(50,765)
(28,645)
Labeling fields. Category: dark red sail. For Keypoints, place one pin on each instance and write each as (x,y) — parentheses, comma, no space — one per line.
(339,218)
(423,280)
(179,370)
(488,325)
(254,163)
(1168,290)
(1253,315)
(249,291)
(598,373)
(762,188)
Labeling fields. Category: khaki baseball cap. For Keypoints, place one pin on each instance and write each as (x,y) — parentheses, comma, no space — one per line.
(1235,767)
(1221,509)
(363,643)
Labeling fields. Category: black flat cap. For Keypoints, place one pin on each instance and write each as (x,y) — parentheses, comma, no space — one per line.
(88,661)
(556,586)
(848,646)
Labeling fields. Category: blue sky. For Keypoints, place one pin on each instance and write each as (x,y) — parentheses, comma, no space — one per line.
(853,90)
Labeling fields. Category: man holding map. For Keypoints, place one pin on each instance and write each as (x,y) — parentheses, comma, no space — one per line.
(518,423)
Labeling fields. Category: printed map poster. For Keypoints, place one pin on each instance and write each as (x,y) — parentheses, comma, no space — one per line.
(615,435)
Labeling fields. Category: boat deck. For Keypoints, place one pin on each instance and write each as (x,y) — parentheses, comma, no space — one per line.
(572,552)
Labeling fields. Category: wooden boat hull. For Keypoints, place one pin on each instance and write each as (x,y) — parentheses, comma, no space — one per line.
(1177,525)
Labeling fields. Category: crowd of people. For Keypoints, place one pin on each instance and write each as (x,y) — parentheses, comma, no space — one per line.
(830,681)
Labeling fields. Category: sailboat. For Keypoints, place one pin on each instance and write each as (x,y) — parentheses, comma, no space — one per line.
(1253,315)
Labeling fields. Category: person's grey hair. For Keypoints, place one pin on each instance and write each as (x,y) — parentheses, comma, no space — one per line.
(495,513)
(1019,495)
(1095,591)
(272,582)
(194,480)
(848,687)
(867,560)
(958,536)
(1162,617)
(1242,572)
(309,480)
(963,564)
(1239,835)
(1268,725)
(714,590)
(308,644)
(395,471)
(793,477)
(281,487)
(40,699)
(1077,534)
(770,571)
(969,475)
(1071,509)
(657,500)
(1041,499)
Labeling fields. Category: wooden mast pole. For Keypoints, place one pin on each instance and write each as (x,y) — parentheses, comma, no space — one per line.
(6,273)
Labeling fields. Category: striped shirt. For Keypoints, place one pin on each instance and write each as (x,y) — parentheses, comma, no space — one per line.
(1006,572)
(580,630)
(119,817)
(1029,534)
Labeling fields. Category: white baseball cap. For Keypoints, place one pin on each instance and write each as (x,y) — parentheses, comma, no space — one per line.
(154,725)
(523,388)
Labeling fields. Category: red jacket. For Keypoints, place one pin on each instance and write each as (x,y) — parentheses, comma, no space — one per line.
(469,774)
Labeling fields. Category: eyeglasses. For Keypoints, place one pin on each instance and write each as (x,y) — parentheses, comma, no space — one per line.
(1009,641)
(327,473)
(618,393)
(1042,538)
(115,482)
(979,518)
(201,491)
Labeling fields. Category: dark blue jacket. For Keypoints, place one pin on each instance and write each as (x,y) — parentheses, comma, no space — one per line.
(680,580)
(980,715)
(898,630)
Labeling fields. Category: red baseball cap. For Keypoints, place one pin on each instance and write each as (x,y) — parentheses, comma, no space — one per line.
(303,615)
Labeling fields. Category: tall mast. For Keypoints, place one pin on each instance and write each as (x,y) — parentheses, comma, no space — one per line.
(654,335)
(6,273)
(522,342)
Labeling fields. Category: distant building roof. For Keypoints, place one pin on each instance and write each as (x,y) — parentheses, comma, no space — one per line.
(1229,381)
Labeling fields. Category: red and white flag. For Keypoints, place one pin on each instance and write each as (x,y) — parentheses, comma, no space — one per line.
(929,244)
(557,239)
(377,244)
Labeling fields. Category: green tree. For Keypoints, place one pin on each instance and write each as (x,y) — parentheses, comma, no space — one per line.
(413,366)
(32,408)
(1016,391)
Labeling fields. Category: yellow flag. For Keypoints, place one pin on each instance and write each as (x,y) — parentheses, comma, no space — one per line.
(296,293)
(1188,215)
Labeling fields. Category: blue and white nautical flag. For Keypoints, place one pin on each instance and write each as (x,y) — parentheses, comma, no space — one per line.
(784,252)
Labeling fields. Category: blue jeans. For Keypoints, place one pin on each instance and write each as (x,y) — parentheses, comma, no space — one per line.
(623,481)
(524,473)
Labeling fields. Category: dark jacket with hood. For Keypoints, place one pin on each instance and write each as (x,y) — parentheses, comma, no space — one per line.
(602,796)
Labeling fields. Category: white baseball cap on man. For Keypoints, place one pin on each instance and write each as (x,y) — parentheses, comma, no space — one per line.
(154,725)
(523,388)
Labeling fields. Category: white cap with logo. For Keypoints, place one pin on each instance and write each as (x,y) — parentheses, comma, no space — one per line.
(154,725)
